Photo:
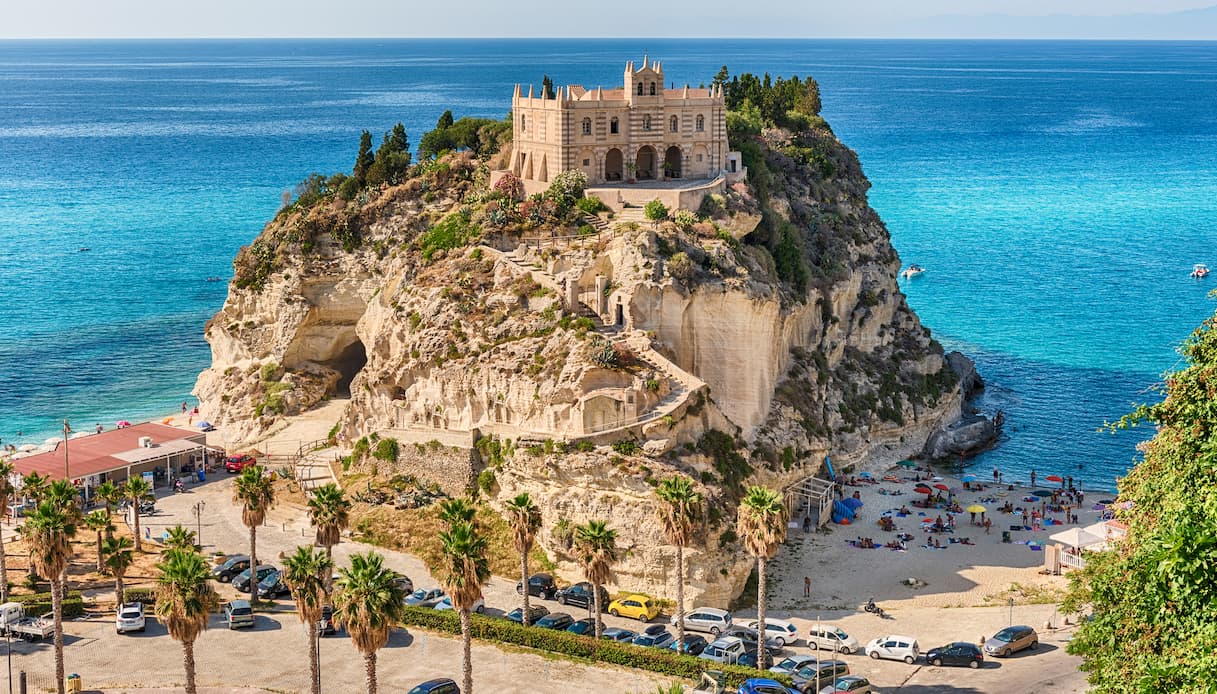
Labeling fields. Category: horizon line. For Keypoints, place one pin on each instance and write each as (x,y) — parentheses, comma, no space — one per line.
(608,38)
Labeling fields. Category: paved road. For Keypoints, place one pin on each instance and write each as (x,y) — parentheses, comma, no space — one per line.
(272,655)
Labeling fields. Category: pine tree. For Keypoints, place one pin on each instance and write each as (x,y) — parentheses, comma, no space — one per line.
(445,121)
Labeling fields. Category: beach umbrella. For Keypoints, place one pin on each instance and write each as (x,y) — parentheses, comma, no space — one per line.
(203,425)
(976,508)
(907,463)
(122,423)
(864,475)
(1041,493)
(924,490)
(943,487)
(927,521)
(852,503)
(969,478)
(1054,478)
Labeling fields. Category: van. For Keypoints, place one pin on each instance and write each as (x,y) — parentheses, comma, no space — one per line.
(830,638)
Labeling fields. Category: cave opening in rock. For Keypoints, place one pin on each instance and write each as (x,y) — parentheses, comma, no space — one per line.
(347,363)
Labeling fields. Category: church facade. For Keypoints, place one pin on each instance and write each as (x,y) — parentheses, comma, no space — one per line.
(642,131)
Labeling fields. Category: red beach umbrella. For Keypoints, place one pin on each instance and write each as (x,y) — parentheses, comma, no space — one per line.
(1054,478)
(924,490)
(943,487)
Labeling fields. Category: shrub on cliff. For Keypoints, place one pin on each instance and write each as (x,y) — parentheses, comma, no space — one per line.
(655,211)
(567,188)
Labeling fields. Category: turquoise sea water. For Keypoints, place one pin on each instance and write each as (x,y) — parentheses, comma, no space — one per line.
(1057,192)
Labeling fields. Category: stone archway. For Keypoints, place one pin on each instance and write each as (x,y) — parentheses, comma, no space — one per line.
(645,162)
(614,165)
(672,162)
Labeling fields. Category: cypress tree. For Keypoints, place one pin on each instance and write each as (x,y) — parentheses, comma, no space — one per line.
(445,121)
(363,161)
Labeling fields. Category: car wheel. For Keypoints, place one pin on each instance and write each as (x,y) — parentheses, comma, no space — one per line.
(781,642)
(845,650)
(974,664)
(909,659)
(1034,645)
(561,599)
(937,662)
(481,609)
(1005,653)
(715,631)
(615,613)
(874,655)
(642,617)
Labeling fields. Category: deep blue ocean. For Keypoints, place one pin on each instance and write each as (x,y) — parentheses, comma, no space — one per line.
(1057,192)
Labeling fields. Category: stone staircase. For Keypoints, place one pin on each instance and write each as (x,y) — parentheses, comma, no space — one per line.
(631,214)
(598,223)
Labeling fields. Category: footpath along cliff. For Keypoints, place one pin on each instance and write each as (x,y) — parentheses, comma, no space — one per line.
(507,344)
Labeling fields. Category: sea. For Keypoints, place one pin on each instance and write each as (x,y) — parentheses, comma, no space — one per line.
(1058,194)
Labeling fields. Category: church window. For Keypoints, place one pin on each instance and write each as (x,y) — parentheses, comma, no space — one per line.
(701,123)
(699,157)
(646,122)
(587,162)
(523,122)
(652,89)
(613,126)
(587,126)
(640,89)
(673,124)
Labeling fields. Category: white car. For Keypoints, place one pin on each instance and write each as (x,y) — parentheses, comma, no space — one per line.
(710,620)
(726,650)
(479,605)
(779,630)
(831,638)
(894,647)
(130,617)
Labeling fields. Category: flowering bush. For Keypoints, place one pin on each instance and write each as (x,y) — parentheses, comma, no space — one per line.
(510,186)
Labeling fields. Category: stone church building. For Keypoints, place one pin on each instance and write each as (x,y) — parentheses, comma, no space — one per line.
(642,131)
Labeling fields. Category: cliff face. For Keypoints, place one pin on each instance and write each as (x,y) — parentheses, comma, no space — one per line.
(609,362)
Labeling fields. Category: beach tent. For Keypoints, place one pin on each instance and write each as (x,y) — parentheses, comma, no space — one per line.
(842,514)
(864,475)
(852,503)
(1076,537)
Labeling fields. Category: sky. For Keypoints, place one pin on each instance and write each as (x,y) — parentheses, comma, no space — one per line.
(1087,19)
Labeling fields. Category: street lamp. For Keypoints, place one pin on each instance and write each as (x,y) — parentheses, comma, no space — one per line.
(1011,603)
(198,517)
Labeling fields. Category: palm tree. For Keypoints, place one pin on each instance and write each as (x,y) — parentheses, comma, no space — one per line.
(33,486)
(184,598)
(99,522)
(596,545)
(6,495)
(464,571)
(119,556)
(368,605)
(136,490)
(180,538)
(680,511)
(65,495)
(303,572)
(254,492)
(49,530)
(109,494)
(454,511)
(525,520)
(762,527)
(328,510)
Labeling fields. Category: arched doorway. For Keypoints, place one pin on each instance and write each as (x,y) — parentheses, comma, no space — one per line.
(671,162)
(645,162)
(613,165)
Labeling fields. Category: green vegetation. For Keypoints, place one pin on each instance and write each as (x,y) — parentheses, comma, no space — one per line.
(627,447)
(482,136)
(453,231)
(732,467)
(591,205)
(386,450)
(486,480)
(655,211)
(1153,598)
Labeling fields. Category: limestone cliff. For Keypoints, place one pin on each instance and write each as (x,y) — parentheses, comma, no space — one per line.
(737,346)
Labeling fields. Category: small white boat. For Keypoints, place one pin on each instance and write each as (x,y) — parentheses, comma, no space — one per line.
(1200,271)
(912,271)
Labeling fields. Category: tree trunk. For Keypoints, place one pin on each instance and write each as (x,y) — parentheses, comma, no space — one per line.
(314,659)
(188,662)
(524,585)
(100,565)
(118,590)
(57,611)
(369,670)
(253,565)
(596,601)
(762,654)
(3,570)
(466,655)
(135,512)
(680,598)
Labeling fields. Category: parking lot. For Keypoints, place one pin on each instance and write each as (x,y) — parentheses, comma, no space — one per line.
(273,654)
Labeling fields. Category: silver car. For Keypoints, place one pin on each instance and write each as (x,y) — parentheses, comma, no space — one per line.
(1012,640)
(709,620)
(426,598)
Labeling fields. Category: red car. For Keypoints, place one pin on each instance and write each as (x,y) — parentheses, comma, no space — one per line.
(239,462)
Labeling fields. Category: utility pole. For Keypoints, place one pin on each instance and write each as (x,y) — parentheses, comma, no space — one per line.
(66,430)
(198,517)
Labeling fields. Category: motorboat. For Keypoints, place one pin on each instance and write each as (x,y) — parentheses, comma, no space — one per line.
(912,271)
(1200,271)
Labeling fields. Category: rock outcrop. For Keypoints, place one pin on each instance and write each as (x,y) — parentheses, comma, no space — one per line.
(600,364)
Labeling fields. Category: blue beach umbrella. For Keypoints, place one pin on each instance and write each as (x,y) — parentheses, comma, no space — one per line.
(864,475)
(969,478)
(203,425)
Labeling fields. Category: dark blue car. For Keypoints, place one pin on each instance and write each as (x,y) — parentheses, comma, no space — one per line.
(694,644)
(618,634)
(438,686)
(763,685)
(583,627)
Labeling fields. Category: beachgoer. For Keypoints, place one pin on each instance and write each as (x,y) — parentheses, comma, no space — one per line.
(996,475)
(1033,478)
(183,408)
(807,586)
(99,428)
(806,524)
(973,521)
(988,522)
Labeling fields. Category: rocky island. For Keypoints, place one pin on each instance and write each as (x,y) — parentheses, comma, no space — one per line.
(701,289)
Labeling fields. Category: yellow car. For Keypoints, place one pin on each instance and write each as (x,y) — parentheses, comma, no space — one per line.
(636,606)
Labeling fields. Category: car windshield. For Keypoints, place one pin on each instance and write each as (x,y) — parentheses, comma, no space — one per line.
(841,634)
(1005,635)
(419,594)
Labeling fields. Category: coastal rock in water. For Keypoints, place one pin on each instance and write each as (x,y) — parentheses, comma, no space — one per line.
(967,437)
(970,381)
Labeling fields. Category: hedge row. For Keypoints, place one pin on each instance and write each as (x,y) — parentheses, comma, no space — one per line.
(144,595)
(38,604)
(657,660)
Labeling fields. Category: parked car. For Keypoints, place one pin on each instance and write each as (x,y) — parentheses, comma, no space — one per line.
(782,632)
(535,613)
(894,647)
(726,649)
(654,636)
(815,676)
(580,595)
(130,617)
(791,664)
(853,684)
(694,644)
(326,625)
(710,620)
(1012,640)
(233,565)
(540,585)
(582,627)
(241,582)
(618,634)
(635,606)
(558,621)
(749,636)
(237,614)
(439,686)
(958,653)
(273,586)
(403,582)
(479,605)
(762,685)
(238,462)
(426,597)
(831,638)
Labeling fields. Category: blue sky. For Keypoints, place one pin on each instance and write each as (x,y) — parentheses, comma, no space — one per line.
(574,18)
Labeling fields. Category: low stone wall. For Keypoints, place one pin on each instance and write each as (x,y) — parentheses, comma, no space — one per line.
(453,468)
(618,196)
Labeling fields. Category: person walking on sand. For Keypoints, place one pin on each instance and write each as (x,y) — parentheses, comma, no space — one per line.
(1033,478)
(807,586)
(988,522)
